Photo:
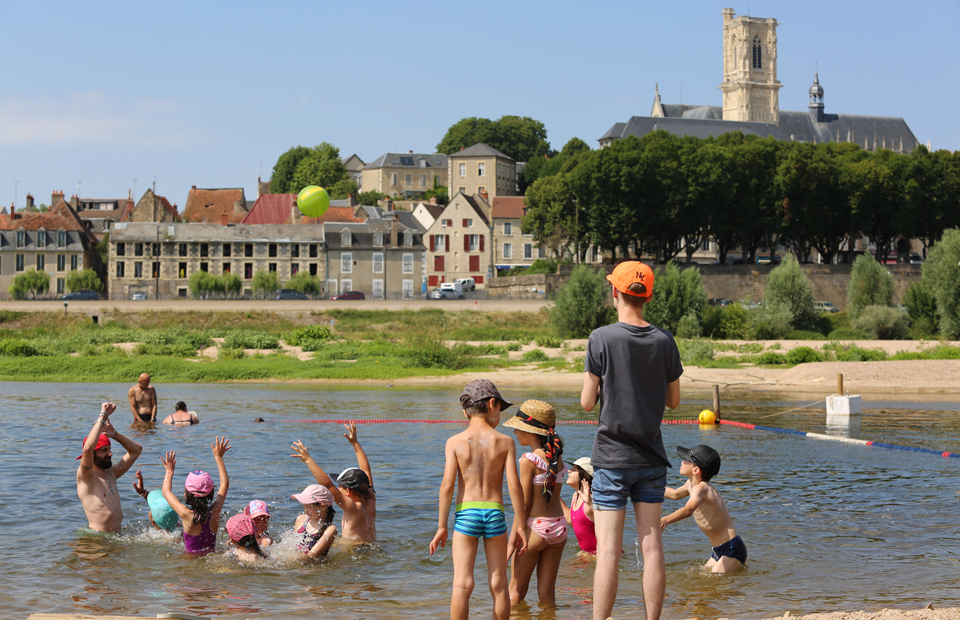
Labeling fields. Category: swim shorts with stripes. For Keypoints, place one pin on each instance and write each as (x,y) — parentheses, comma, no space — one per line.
(480,519)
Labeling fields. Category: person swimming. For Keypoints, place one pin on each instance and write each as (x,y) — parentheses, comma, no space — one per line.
(242,532)
(315,526)
(182,417)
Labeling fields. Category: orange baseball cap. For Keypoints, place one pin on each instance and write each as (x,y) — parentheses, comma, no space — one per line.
(630,272)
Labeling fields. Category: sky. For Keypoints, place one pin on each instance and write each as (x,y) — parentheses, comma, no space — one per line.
(105,98)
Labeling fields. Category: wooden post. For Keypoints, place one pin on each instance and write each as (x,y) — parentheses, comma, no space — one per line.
(716,402)
(840,384)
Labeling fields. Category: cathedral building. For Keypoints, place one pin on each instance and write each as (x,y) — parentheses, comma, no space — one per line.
(751,102)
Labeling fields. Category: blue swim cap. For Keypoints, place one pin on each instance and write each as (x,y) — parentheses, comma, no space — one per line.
(163,515)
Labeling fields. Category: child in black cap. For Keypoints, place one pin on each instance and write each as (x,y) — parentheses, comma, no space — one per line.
(700,464)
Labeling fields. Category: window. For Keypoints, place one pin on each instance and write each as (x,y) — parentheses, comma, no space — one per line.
(408,263)
(474,264)
(527,251)
(313,269)
(393,179)
(438,263)
(508,229)
(156,269)
(408,180)
(61,262)
(204,250)
(462,190)
(378,239)
(61,238)
(182,249)
(182,293)
(182,270)
(346,262)
(508,251)
(155,249)
(138,269)
(378,289)
(463,171)
(248,250)
(474,243)
(41,238)
(346,238)
(378,262)
(204,267)
(481,190)
(294,269)
(346,285)
(757,54)
(61,282)
(295,250)
(247,271)
(481,169)
(120,268)
(272,250)
(408,238)
(331,287)
(121,247)
(313,250)
(467,222)
(408,289)
(74,259)
(439,243)
(226,267)
(41,262)
(272,267)
(423,180)
(227,249)
(138,249)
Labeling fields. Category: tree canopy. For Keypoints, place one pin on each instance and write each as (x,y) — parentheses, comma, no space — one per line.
(302,166)
(519,137)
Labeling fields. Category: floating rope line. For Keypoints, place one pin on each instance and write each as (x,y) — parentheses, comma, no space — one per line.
(770,415)
(358,422)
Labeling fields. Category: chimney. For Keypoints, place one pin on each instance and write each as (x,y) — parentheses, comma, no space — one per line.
(411,152)
(29,201)
(193,187)
(223,218)
(56,196)
(352,200)
(389,205)
(75,202)
(433,200)
(393,233)
(294,212)
(483,194)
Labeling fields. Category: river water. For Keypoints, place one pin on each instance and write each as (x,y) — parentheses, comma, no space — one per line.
(829,526)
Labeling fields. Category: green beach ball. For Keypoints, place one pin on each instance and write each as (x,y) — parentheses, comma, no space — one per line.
(313,201)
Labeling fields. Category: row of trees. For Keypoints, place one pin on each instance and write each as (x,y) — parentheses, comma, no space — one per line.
(663,196)
(302,166)
(204,285)
(35,283)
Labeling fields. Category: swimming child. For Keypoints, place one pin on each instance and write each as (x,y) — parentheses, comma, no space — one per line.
(579,514)
(200,510)
(315,526)
(541,475)
(353,490)
(700,464)
(258,511)
(476,461)
(243,537)
(182,417)
(161,515)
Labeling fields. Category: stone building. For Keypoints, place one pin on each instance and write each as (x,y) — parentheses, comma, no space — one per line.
(750,86)
(458,242)
(158,259)
(380,257)
(153,208)
(511,247)
(404,174)
(482,169)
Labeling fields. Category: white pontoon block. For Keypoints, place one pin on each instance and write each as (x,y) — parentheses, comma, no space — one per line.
(843,406)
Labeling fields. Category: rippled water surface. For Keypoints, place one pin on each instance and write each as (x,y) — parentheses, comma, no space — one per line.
(828,526)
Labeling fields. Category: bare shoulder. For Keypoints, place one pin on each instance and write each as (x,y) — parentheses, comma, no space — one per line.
(133,390)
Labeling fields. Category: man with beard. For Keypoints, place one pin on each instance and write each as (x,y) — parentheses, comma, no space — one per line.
(97,475)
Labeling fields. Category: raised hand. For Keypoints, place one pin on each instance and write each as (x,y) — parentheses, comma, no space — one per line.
(300,451)
(351,435)
(107,429)
(107,408)
(220,447)
(169,461)
(138,485)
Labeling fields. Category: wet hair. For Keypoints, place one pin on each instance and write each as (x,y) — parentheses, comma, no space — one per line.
(181,406)
(584,476)
(250,542)
(328,517)
(474,408)
(632,300)
(200,505)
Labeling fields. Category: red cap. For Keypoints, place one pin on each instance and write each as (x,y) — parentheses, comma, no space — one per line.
(631,272)
(103,442)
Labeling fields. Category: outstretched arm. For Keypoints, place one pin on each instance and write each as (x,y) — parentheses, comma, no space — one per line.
(169,461)
(300,452)
(696,497)
(362,461)
(220,448)
(447,487)
(679,492)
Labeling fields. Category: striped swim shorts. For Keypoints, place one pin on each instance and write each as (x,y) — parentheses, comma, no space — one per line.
(480,519)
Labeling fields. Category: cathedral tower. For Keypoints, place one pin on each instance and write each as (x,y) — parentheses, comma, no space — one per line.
(750,87)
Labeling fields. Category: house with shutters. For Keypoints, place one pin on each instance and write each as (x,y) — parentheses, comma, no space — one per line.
(458,242)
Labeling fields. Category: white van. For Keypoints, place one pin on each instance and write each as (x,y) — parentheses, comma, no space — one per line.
(467,284)
(456,287)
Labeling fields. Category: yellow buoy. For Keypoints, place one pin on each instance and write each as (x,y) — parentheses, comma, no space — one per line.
(707,417)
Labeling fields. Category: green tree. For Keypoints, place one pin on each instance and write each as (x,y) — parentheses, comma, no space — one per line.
(232,285)
(33,282)
(551,214)
(83,280)
(519,137)
(203,284)
(371,198)
(921,305)
(787,284)
(439,192)
(583,304)
(876,199)
(574,147)
(464,133)
(941,276)
(281,181)
(103,249)
(870,285)
(676,294)
(305,283)
(321,167)
(343,188)
(265,283)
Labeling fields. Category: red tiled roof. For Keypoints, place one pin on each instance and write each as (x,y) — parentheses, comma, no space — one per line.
(334,214)
(206,205)
(56,218)
(171,209)
(508,206)
(271,209)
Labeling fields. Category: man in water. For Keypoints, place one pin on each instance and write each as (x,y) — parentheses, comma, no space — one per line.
(97,475)
(143,400)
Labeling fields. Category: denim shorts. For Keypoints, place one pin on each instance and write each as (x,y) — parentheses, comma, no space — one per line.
(611,487)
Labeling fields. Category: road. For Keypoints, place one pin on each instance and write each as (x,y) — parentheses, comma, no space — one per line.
(244,305)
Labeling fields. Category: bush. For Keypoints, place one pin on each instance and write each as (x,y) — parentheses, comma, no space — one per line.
(534,355)
(799,334)
(695,352)
(296,337)
(583,304)
(770,358)
(848,333)
(675,295)
(17,347)
(733,322)
(710,321)
(870,285)
(803,355)
(921,306)
(787,284)
(548,342)
(770,321)
(941,276)
(428,352)
(689,326)
(305,283)
(231,354)
(882,322)
(264,284)
(244,339)
(32,281)
(513,346)
(83,280)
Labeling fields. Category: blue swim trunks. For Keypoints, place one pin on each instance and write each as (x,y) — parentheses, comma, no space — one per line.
(480,519)
(733,548)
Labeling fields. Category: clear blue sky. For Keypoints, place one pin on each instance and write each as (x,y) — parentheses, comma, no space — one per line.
(210,93)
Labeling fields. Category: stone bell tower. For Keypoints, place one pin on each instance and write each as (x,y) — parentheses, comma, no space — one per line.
(750,87)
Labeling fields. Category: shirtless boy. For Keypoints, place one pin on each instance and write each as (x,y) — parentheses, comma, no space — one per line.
(700,464)
(143,400)
(97,475)
(353,490)
(476,460)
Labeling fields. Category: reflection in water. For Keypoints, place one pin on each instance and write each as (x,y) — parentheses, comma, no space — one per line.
(828,525)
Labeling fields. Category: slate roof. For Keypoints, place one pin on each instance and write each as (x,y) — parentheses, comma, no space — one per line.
(362,236)
(206,205)
(433,210)
(508,207)
(480,150)
(270,209)
(190,231)
(393,160)
(472,201)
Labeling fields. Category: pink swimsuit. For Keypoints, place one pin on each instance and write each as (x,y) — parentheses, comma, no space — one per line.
(551,529)
(585,529)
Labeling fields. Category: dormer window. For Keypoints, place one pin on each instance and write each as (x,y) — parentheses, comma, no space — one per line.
(41,238)
(61,238)
(407,239)
(346,239)
(21,239)
(378,239)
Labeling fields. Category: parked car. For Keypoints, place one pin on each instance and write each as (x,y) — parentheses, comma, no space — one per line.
(289,293)
(748,305)
(349,295)
(915,259)
(825,306)
(81,295)
(445,293)
(467,284)
(716,301)
(138,296)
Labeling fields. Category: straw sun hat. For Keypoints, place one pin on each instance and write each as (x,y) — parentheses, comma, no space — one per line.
(538,410)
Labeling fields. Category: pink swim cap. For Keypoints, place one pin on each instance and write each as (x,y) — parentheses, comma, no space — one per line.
(199,483)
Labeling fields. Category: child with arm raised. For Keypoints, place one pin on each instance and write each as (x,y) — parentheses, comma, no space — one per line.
(200,510)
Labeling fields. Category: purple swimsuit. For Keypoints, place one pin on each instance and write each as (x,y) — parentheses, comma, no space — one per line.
(202,543)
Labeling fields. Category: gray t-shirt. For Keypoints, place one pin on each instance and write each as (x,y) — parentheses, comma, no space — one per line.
(634,364)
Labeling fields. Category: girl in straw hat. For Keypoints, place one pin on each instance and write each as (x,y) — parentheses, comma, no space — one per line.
(542,474)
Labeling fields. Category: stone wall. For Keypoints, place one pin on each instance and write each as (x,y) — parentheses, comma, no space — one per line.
(516,287)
